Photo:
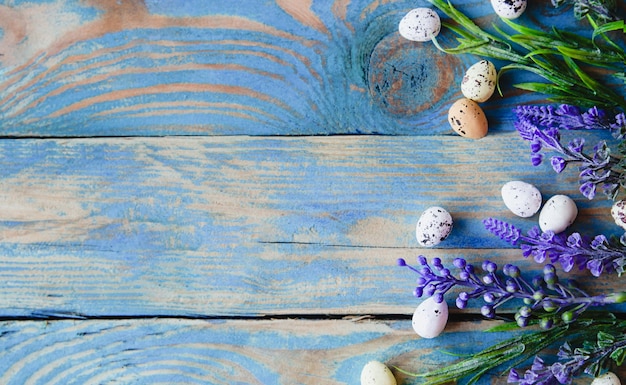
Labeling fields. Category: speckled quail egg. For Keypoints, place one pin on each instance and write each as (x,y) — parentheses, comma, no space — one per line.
(430,318)
(377,373)
(557,214)
(433,226)
(479,81)
(523,199)
(420,24)
(618,212)
(609,378)
(467,119)
(509,9)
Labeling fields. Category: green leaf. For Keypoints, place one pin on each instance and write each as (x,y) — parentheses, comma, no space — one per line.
(582,75)
(608,27)
(618,355)
(596,57)
(504,327)
(605,340)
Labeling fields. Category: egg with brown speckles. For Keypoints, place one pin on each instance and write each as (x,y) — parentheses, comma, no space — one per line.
(557,214)
(609,378)
(430,318)
(433,226)
(467,119)
(420,24)
(509,9)
(523,199)
(618,212)
(377,373)
(479,81)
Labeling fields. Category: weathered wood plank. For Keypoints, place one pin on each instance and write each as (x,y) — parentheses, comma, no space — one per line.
(168,351)
(277,352)
(247,226)
(264,68)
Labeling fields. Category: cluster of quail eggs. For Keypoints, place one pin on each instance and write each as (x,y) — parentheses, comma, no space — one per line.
(465,115)
(524,200)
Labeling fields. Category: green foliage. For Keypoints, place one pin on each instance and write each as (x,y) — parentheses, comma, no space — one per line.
(553,55)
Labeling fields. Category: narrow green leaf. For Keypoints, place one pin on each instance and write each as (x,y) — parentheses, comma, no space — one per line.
(605,339)
(582,75)
(618,356)
(538,35)
(596,57)
(608,27)
(504,327)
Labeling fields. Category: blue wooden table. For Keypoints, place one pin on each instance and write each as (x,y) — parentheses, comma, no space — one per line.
(216,192)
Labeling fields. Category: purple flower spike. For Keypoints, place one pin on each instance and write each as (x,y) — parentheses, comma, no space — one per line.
(545,298)
(598,255)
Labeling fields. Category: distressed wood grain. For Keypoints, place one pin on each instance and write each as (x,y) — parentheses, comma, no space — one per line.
(108,68)
(180,351)
(170,180)
(249,226)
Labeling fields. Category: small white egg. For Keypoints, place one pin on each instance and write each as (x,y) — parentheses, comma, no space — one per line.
(523,199)
(509,9)
(420,24)
(609,378)
(618,212)
(479,81)
(430,318)
(377,373)
(557,214)
(433,226)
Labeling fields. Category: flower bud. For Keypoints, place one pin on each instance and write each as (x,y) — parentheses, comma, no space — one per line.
(551,279)
(489,297)
(487,311)
(549,306)
(617,297)
(522,321)
(511,286)
(567,316)
(539,295)
(513,271)
(459,263)
(525,311)
(546,323)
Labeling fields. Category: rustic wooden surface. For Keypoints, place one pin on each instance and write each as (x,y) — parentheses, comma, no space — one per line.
(208,192)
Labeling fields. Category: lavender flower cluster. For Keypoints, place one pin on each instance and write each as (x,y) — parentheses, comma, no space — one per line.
(544,298)
(540,126)
(598,254)
(572,362)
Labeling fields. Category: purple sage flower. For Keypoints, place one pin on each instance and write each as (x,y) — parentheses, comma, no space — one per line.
(598,254)
(544,298)
(571,362)
(599,168)
(568,117)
